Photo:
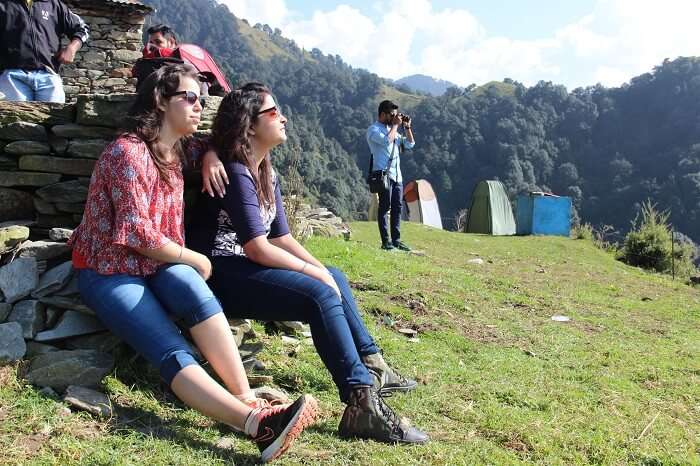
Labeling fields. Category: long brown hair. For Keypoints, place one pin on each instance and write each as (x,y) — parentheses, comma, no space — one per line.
(145,118)
(237,113)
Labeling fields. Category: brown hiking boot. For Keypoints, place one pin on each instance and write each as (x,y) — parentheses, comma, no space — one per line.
(368,416)
(386,379)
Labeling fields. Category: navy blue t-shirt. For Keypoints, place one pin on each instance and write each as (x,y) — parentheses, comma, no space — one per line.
(221,226)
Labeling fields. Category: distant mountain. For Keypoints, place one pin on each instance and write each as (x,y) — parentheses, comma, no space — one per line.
(426,84)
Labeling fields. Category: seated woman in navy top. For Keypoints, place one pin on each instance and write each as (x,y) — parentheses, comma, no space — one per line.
(261,272)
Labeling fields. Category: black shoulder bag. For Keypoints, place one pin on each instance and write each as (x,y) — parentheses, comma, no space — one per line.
(379,179)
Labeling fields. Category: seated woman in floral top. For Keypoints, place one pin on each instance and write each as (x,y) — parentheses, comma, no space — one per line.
(262,272)
(135,273)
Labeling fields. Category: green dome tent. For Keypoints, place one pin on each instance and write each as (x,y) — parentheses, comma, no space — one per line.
(490,212)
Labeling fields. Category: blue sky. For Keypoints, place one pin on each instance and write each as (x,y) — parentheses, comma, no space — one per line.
(575,43)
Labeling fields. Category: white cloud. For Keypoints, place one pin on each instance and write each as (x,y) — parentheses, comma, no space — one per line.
(617,40)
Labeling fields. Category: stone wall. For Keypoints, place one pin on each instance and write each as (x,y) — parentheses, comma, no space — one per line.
(103,65)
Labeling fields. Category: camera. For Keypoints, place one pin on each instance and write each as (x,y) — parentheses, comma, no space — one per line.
(405,118)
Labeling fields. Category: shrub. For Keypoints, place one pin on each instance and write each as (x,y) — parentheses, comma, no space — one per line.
(649,244)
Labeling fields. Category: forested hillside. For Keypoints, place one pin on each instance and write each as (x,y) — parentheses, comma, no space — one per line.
(607,148)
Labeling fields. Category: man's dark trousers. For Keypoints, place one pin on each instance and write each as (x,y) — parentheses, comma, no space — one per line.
(390,199)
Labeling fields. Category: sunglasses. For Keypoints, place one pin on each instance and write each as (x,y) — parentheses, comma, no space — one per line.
(273,112)
(190,97)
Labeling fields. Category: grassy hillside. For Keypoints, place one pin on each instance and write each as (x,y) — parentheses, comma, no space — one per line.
(500,382)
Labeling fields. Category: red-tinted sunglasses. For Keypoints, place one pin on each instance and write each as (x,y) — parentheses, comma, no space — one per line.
(190,97)
(273,112)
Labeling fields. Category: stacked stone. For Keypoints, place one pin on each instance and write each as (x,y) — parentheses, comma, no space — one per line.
(318,221)
(103,65)
(43,320)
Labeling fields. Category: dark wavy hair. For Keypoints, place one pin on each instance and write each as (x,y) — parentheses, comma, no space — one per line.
(145,118)
(237,113)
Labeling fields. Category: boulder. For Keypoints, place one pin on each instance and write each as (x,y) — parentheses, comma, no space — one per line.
(54,280)
(60,234)
(8,163)
(71,324)
(44,207)
(12,345)
(59,369)
(11,237)
(15,204)
(18,278)
(53,221)
(43,250)
(23,178)
(67,191)
(79,167)
(30,315)
(68,303)
(106,111)
(76,208)
(52,316)
(27,147)
(92,401)
(74,131)
(87,148)
(18,119)
(34,349)
(21,130)
(104,342)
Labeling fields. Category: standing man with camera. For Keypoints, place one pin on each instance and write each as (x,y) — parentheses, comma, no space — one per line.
(386,144)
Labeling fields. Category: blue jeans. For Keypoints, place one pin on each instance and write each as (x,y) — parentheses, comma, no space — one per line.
(391,199)
(251,291)
(139,310)
(40,86)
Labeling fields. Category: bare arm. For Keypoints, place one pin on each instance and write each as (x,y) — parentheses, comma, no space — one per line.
(175,254)
(292,246)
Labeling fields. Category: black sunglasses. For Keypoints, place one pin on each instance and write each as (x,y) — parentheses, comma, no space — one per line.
(190,97)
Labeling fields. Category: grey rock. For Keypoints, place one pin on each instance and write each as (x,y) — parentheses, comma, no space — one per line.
(60,234)
(21,178)
(71,290)
(80,131)
(8,163)
(31,315)
(43,250)
(66,166)
(67,302)
(52,316)
(54,280)
(27,148)
(12,346)
(68,191)
(92,401)
(5,309)
(103,111)
(293,325)
(76,208)
(56,221)
(59,369)
(22,223)
(103,342)
(21,130)
(248,350)
(28,114)
(58,145)
(49,392)
(35,349)
(44,207)
(126,55)
(15,204)
(71,324)
(18,278)
(88,148)
(10,237)
(271,394)
(476,261)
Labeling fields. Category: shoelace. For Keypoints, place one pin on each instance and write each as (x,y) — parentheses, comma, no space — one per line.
(386,411)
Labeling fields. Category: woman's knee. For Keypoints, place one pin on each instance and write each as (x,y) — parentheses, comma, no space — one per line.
(173,362)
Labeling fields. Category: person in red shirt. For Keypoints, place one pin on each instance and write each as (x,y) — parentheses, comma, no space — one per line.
(136,274)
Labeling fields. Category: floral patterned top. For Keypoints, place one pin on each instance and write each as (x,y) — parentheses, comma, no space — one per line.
(129,205)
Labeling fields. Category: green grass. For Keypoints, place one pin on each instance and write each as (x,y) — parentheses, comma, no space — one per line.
(500,382)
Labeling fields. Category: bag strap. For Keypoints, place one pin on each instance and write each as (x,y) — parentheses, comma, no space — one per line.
(391,159)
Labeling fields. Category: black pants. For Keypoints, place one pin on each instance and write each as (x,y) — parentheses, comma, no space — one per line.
(392,199)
